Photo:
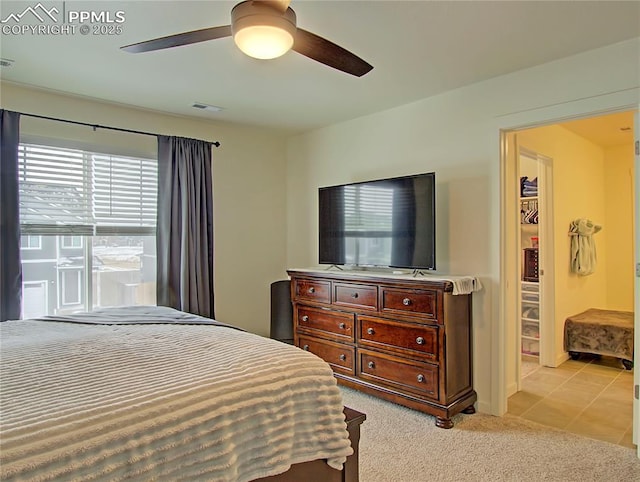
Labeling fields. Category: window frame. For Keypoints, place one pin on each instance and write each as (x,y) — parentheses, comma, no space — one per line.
(130,191)
(73,237)
(30,237)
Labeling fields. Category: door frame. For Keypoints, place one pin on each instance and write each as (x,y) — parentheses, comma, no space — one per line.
(504,125)
(636,323)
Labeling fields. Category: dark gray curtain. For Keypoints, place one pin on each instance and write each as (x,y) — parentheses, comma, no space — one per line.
(10,265)
(185,226)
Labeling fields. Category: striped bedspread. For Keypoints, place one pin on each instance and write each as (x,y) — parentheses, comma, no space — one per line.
(161,402)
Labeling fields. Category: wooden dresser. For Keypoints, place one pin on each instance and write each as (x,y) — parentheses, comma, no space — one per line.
(406,339)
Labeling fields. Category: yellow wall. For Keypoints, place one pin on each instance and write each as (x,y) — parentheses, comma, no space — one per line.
(619,189)
(591,182)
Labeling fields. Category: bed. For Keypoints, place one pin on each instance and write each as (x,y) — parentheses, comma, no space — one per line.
(151,393)
(600,332)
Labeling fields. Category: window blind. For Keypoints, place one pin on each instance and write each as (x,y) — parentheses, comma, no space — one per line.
(71,191)
(124,194)
(368,209)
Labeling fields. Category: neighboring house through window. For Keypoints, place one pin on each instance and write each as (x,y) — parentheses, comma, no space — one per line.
(88,229)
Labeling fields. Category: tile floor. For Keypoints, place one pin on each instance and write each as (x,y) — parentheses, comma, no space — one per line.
(591,396)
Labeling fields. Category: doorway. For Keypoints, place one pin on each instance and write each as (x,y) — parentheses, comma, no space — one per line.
(535,267)
(580,151)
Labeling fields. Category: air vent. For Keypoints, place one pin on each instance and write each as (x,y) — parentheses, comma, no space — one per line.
(201,106)
(6,62)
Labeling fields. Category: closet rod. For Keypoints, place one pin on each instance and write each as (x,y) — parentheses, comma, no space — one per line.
(97,126)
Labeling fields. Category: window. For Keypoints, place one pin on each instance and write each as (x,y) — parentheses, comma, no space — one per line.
(95,216)
(368,220)
(36,293)
(30,242)
(72,242)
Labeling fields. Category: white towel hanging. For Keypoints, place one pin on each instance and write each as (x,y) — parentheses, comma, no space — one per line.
(583,247)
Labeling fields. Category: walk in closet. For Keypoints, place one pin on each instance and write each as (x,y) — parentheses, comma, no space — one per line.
(529,274)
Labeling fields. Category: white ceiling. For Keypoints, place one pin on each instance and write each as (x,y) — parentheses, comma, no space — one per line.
(418,49)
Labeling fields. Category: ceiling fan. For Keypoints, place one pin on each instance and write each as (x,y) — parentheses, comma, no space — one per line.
(265,29)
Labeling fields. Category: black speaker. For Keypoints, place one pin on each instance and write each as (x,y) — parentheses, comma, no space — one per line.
(281,312)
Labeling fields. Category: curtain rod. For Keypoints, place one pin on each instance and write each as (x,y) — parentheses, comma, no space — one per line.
(97,126)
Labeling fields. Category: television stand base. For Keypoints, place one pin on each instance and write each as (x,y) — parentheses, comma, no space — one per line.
(418,272)
(334,266)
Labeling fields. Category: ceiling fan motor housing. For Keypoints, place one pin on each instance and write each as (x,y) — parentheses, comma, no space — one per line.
(252,16)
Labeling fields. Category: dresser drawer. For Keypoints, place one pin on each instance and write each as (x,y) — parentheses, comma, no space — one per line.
(410,339)
(354,295)
(422,302)
(313,290)
(406,375)
(330,322)
(340,357)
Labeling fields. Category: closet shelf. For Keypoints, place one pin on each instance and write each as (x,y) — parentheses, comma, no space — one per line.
(530,318)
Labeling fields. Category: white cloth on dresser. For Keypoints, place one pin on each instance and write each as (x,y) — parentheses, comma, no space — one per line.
(464,285)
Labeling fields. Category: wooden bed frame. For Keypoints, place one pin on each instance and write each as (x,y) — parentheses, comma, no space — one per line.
(319,470)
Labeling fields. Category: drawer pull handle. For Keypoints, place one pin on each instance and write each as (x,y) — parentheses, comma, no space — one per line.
(406,301)
(420,378)
(420,340)
(370,331)
(342,326)
(312,290)
(371,364)
(343,357)
(305,318)
(305,348)
(354,295)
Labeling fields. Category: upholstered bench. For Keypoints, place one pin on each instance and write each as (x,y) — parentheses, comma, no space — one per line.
(600,332)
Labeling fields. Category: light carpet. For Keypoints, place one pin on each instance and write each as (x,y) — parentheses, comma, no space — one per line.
(403,445)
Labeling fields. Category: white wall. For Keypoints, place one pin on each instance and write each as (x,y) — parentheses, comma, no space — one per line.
(249,187)
(455,134)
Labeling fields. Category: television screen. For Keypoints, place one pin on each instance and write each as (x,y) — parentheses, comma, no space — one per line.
(381,223)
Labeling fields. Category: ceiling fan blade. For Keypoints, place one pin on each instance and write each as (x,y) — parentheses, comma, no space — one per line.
(176,40)
(328,53)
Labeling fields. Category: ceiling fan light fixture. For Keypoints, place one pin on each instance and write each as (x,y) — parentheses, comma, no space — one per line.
(262,32)
(263,41)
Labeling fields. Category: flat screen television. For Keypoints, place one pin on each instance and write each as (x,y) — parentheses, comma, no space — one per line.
(379,223)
